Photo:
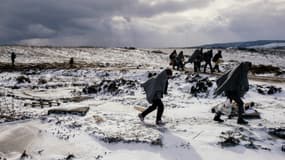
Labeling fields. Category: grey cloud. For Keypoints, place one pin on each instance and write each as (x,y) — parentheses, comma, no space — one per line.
(21,20)
(260,20)
(91,22)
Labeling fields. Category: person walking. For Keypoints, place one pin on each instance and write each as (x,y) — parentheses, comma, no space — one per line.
(217,60)
(207,58)
(173,57)
(196,58)
(180,61)
(234,84)
(13,57)
(154,89)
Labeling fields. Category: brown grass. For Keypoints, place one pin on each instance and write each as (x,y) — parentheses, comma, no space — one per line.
(261,69)
(141,109)
(98,119)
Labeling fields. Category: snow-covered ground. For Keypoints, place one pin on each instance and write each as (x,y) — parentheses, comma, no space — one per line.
(111,129)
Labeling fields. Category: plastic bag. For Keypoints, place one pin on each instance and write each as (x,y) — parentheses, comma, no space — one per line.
(226,107)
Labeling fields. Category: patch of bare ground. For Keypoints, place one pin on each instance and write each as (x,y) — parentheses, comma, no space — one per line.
(7,67)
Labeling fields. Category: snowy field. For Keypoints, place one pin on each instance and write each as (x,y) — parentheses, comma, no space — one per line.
(111,129)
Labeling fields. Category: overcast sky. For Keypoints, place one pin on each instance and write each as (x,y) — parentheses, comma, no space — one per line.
(139,23)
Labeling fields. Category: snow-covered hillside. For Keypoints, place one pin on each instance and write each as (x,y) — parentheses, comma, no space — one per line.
(248,44)
(270,45)
(89,55)
(111,129)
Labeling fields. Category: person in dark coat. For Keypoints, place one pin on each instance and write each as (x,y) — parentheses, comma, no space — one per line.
(180,61)
(234,84)
(196,58)
(13,57)
(207,58)
(71,62)
(173,57)
(154,89)
(217,60)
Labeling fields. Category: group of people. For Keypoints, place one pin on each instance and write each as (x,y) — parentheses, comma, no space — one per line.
(177,60)
(197,58)
(234,84)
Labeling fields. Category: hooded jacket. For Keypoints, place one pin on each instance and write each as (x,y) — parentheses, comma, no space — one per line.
(208,56)
(217,57)
(156,87)
(196,56)
(235,80)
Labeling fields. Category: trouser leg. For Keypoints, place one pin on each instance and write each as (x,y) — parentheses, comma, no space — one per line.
(214,68)
(149,109)
(160,109)
(240,105)
(211,68)
(178,65)
(198,67)
(218,117)
(205,66)
(181,66)
(218,68)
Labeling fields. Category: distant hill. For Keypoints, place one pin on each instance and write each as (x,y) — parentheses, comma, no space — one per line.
(248,44)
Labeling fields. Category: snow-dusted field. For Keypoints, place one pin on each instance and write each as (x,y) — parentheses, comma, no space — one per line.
(111,129)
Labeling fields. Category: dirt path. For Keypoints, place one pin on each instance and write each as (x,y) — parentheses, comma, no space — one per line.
(6,67)
(251,77)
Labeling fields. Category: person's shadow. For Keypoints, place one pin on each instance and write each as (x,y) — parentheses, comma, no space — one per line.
(174,148)
(177,148)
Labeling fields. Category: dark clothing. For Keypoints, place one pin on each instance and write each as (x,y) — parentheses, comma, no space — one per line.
(173,57)
(156,87)
(216,68)
(235,84)
(205,66)
(217,56)
(157,103)
(71,61)
(196,58)
(207,58)
(180,61)
(235,80)
(197,66)
(13,57)
(234,96)
(198,61)
(217,60)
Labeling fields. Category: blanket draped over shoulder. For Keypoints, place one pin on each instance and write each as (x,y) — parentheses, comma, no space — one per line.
(235,80)
(156,87)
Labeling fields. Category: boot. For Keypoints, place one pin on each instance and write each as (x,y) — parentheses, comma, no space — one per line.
(141,117)
(218,117)
(160,123)
(242,121)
